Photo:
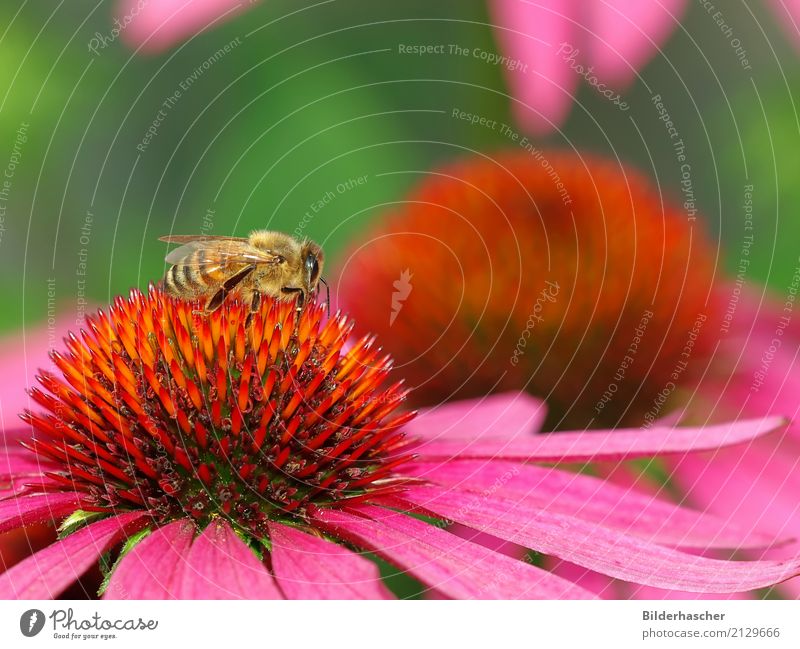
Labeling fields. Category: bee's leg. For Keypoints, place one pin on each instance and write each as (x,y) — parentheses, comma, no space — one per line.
(301,295)
(227,287)
(216,300)
(299,304)
(254,304)
(327,295)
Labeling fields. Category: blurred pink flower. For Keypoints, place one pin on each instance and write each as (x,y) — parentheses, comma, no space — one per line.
(156,25)
(551,44)
(163,426)
(556,42)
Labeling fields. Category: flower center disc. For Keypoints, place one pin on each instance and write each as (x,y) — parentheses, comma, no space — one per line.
(562,274)
(251,416)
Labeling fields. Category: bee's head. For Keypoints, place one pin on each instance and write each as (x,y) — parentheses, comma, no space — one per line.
(313,261)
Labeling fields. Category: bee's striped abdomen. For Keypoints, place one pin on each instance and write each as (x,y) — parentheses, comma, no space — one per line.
(175,280)
(195,275)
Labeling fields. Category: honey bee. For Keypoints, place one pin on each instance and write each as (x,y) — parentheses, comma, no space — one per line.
(211,268)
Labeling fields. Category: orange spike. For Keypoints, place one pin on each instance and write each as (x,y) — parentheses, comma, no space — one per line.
(221,383)
(240,343)
(177,374)
(244,383)
(183,422)
(200,433)
(195,395)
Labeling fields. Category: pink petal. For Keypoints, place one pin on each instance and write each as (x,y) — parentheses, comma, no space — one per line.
(488,541)
(601,585)
(453,566)
(787,14)
(41,508)
(600,445)
(757,485)
(48,572)
(648,592)
(20,467)
(505,415)
(13,435)
(608,588)
(607,551)
(159,24)
(154,567)
(624,35)
(21,355)
(593,500)
(220,566)
(790,589)
(776,390)
(308,567)
(18,462)
(542,82)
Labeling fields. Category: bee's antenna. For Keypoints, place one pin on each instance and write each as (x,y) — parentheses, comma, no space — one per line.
(327,295)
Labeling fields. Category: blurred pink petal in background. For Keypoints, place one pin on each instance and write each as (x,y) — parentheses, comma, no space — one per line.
(159,24)
(787,15)
(22,355)
(754,484)
(558,41)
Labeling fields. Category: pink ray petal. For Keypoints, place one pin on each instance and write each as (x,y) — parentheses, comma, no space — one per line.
(756,485)
(13,435)
(608,588)
(159,24)
(47,573)
(601,585)
(11,488)
(488,541)
(41,508)
(787,14)
(453,566)
(607,551)
(600,445)
(543,83)
(592,500)
(153,569)
(21,356)
(624,35)
(21,462)
(790,589)
(648,592)
(220,566)
(776,390)
(308,567)
(20,486)
(506,415)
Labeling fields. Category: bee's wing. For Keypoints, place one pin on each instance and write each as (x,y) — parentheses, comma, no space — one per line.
(217,252)
(188,238)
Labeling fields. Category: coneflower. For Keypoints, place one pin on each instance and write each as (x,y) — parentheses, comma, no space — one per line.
(519,223)
(257,455)
(558,273)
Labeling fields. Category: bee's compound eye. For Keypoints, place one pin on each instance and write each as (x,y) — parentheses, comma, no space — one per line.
(312,267)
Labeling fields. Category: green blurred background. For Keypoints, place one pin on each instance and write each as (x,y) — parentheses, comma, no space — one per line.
(312,95)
